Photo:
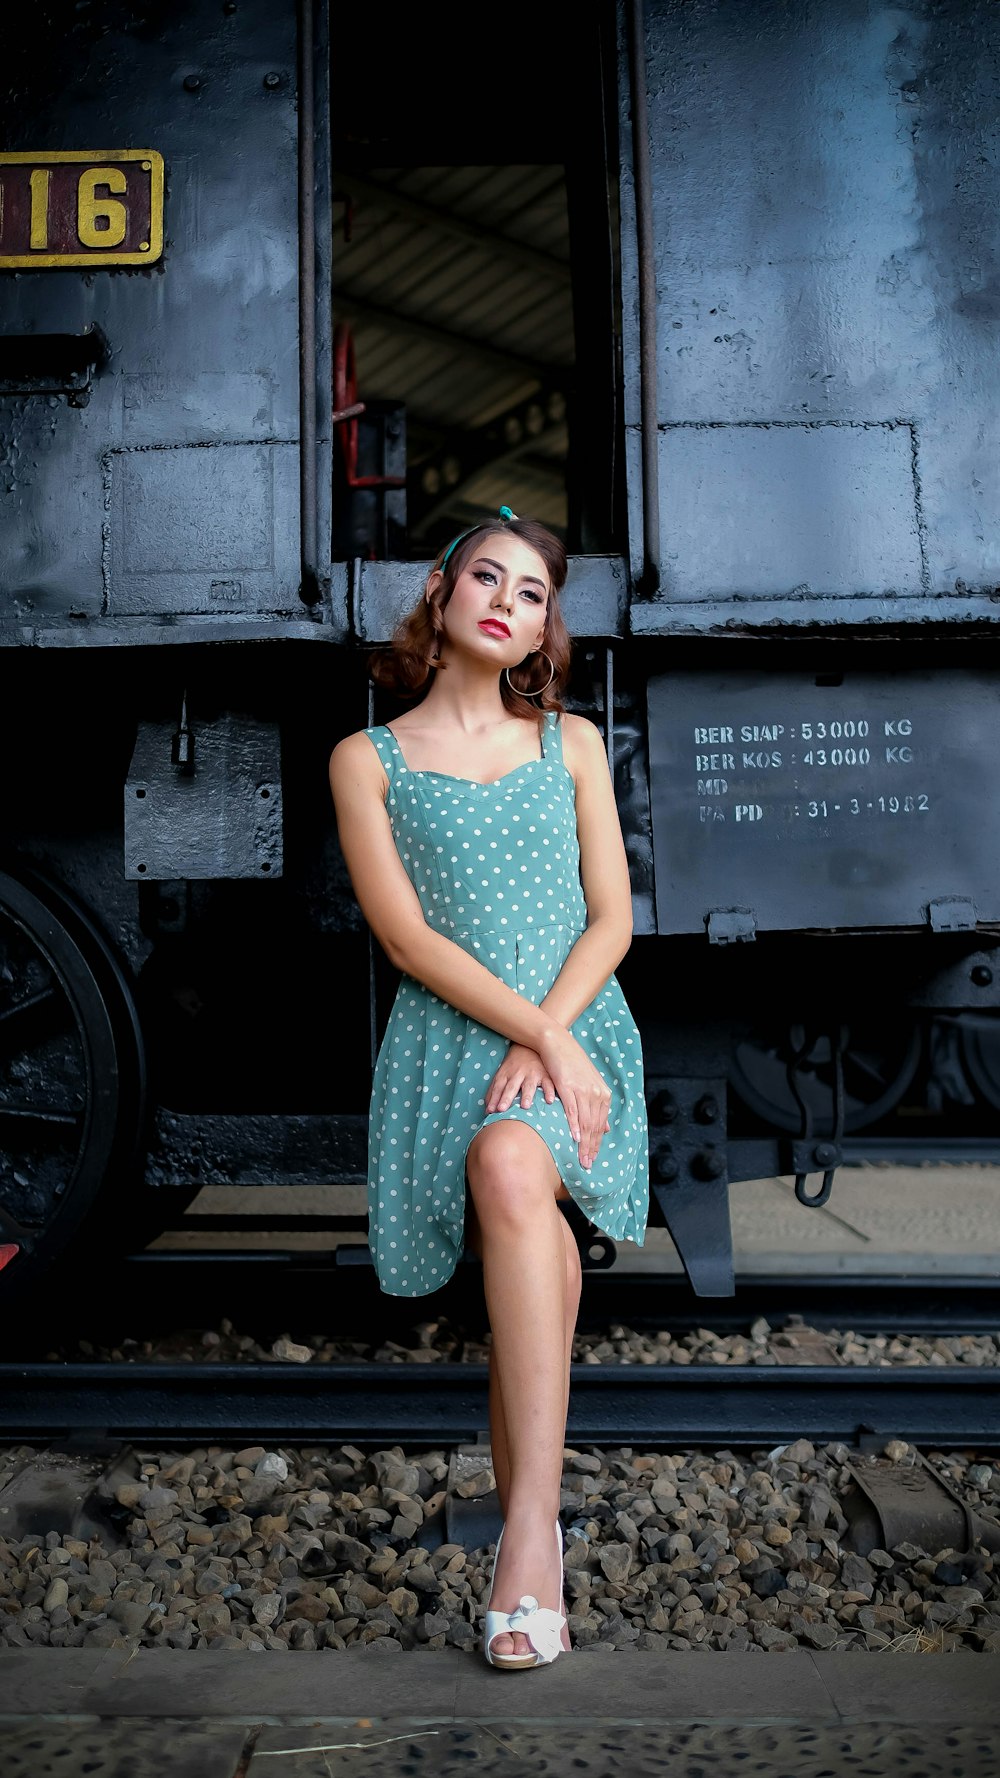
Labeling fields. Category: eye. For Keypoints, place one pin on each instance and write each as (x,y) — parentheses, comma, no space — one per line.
(485,574)
(529,593)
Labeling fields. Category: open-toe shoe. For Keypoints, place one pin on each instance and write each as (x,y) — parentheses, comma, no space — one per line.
(543,1628)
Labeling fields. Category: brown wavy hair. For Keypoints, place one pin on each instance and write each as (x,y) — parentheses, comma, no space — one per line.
(406,665)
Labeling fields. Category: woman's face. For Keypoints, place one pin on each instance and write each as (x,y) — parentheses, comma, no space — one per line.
(498,607)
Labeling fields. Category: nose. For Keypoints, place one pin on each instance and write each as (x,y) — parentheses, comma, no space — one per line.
(503,598)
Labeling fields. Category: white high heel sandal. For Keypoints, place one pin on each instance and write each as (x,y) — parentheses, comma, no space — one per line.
(542,1627)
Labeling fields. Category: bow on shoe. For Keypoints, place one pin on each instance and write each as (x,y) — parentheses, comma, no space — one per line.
(542,1627)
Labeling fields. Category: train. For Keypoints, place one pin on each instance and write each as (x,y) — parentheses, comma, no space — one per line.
(287,299)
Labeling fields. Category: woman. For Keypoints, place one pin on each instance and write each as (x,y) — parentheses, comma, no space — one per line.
(482,840)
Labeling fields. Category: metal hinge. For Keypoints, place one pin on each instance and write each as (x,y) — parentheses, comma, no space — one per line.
(952,913)
(730,926)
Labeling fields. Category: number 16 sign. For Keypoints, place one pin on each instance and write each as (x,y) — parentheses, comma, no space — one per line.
(81,209)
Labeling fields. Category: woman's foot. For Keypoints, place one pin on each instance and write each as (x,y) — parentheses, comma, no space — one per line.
(528,1563)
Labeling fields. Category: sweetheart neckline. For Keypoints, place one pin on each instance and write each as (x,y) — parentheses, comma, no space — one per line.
(456,777)
(480,783)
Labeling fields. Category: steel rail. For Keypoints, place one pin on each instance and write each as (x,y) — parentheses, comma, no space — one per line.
(656,1405)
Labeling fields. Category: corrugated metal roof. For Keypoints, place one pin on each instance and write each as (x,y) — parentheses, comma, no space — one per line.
(455,281)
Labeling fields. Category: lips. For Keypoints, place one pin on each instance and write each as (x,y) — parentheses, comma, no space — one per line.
(491,626)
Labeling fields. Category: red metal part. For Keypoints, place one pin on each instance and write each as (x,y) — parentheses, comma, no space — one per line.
(347,407)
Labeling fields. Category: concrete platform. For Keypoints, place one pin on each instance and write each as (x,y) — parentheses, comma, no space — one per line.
(234,1715)
(934,1219)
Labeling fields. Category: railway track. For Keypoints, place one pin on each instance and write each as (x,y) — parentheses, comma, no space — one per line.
(184,1398)
(375,1403)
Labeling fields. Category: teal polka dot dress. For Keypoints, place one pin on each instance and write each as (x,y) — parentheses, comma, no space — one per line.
(497,869)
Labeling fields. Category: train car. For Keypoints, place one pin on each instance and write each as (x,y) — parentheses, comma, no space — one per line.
(289,297)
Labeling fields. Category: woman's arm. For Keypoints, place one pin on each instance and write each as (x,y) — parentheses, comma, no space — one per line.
(603,873)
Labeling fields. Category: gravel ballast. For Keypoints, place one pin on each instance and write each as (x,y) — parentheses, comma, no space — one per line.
(329,1547)
(431,1342)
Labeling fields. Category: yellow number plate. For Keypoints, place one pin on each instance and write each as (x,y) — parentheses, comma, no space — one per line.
(80,209)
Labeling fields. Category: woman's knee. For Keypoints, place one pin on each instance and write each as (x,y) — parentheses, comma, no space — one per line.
(511,1173)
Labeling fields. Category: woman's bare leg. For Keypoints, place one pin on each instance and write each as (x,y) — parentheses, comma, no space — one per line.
(498,1424)
(513,1183)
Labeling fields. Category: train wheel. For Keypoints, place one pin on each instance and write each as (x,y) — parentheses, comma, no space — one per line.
(72,1078)
(981,1055)
(879,1064)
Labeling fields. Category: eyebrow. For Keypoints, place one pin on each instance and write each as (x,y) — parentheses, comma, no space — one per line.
(502,570)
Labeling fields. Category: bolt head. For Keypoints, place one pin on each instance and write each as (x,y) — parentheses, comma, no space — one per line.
(663,1108)
(982,975)
(664,1166)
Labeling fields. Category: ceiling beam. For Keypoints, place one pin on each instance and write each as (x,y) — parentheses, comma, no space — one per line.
(400,203)
(345,302)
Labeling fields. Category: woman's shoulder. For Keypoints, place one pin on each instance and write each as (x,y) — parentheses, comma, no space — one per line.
(357,755)
(583,742)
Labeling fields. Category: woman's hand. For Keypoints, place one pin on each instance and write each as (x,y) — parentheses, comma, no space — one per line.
(585,1096)
(521,1072)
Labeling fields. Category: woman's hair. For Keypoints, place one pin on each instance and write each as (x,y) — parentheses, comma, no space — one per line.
(407,663)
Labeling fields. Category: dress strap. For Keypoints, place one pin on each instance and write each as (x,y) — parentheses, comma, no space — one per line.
(388,749)
(552,737)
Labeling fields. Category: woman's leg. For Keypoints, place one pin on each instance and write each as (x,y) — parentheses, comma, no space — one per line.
(513,1183)
(498,1424)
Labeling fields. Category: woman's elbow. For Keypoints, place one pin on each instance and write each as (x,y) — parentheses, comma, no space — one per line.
(616,928)
(401,948)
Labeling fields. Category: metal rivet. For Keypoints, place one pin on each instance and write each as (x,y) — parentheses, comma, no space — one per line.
(982,975)
(271,81)
(192,82)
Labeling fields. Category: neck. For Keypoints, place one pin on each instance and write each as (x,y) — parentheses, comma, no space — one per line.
(466,695)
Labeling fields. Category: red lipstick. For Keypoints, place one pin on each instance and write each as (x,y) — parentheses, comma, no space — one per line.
(494,626)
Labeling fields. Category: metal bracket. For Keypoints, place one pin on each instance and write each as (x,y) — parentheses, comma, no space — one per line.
(952,913)
(729,926)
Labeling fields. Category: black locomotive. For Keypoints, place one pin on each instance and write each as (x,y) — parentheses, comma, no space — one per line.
(286,299)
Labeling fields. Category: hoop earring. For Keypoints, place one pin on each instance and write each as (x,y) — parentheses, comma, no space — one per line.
(539,688)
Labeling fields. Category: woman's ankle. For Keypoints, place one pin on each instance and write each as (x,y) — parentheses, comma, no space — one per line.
(527,1518)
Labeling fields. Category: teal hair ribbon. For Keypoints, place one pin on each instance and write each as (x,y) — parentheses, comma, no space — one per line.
(505,514)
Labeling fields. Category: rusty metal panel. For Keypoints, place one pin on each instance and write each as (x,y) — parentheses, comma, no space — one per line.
(765,511)
(780,803)
(823,223)
(125,498)
(219,816)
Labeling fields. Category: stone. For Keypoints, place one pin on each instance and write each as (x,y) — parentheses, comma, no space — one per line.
(57,1595)
(856,1575)
(271,1467)
(402,1602)
(288,1352)
(307,1606)
(615,1560)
